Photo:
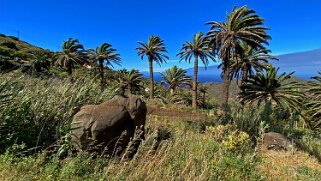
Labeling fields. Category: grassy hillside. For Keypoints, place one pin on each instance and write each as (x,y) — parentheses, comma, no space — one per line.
(21,45)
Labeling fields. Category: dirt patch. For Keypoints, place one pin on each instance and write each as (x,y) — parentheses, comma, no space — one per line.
(175,113)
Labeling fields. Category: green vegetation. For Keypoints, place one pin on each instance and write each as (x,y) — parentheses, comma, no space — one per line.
(270,87)
(213,142)
(314,105)
(175,77)
(129,80)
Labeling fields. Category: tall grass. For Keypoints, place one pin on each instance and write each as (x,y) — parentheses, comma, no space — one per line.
(171,151)
(37,112)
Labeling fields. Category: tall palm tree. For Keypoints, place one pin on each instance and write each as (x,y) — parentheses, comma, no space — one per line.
(198,49)
(175,77)
(154,49)
(248,61)
(241,25)
(269,87)
(70,55)
(314,103)
(105,55)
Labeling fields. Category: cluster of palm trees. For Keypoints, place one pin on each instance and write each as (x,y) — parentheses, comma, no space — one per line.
(73,54)
(238,43)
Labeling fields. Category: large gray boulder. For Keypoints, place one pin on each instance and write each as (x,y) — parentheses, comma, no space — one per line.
(276,141)
(108,127)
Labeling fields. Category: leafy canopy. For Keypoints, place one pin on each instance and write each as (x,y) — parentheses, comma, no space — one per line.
(268,86)
(154,49)
(176,77)
(197,47)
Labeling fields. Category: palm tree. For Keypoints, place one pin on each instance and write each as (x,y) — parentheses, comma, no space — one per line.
(39,61)
(198,48)
(248,61)
(129,80)
(104,55)
(154,49)
(70,55)
(314,104)
(175,77)
(269,87)
(242,25)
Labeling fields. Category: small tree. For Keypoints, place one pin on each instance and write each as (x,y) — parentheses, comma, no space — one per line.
(270,88)
(175,77)
(130,80)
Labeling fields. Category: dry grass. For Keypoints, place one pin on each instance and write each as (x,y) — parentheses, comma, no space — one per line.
(290,165)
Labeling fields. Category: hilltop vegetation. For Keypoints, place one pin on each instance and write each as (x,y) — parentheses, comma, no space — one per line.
(21,45)
(191,134)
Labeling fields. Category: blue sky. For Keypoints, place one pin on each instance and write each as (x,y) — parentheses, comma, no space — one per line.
(295,24)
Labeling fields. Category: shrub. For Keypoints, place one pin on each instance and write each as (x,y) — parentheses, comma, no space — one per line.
(229,137)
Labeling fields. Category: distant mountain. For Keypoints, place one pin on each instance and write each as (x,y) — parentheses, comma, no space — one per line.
(305,64)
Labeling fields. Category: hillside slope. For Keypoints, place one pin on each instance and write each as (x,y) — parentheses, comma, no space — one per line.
(21,45)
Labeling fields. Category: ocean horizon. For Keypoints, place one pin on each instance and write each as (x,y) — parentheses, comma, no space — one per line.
(215,78)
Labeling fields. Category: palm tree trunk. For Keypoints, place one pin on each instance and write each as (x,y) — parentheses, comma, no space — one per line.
(69,71)
(102,79)
(130,91)
(151,77)
(226,86)
(244,75)
(244,78)
(194,93)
